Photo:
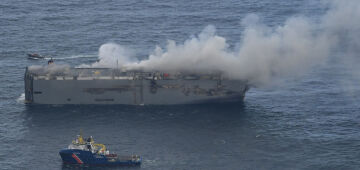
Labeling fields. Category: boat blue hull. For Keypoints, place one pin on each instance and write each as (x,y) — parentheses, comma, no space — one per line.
(75,156)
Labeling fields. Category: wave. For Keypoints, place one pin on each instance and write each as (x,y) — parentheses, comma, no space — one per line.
(21,98)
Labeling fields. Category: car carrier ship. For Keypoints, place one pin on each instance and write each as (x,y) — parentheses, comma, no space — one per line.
(54,84)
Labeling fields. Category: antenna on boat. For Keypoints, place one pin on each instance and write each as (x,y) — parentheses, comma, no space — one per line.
(117,63)
(81,139)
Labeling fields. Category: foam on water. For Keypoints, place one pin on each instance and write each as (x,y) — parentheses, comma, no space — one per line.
(21,98)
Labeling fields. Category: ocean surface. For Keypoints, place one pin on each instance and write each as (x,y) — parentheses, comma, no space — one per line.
(310,121)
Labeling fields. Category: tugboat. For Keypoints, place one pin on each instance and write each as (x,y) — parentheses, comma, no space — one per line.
(88,152)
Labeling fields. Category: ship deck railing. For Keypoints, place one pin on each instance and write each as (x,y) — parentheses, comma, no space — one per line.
(67,73)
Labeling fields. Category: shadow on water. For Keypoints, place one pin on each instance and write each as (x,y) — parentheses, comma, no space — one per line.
(68,167)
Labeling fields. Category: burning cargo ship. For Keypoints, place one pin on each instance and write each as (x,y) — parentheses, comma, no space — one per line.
(64,85)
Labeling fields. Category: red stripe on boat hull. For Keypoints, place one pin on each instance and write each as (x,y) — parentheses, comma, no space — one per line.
(78,160)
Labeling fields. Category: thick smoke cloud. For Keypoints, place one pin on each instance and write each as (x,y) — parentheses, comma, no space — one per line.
(341,23)
(264,53)
(113,55)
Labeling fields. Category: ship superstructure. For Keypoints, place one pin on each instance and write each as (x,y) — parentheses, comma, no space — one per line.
(65,85)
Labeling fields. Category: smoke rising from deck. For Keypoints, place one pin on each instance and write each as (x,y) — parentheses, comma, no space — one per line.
(114,55)
(52,69)
(264,53)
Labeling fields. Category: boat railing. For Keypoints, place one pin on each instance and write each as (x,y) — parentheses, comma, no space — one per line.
(67,73)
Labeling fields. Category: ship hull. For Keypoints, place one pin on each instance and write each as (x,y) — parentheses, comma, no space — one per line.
(140,91)
(80,157)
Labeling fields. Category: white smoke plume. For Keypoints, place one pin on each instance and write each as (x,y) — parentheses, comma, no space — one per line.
(264,53)
(341,23)
(50,69)
(113,55)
